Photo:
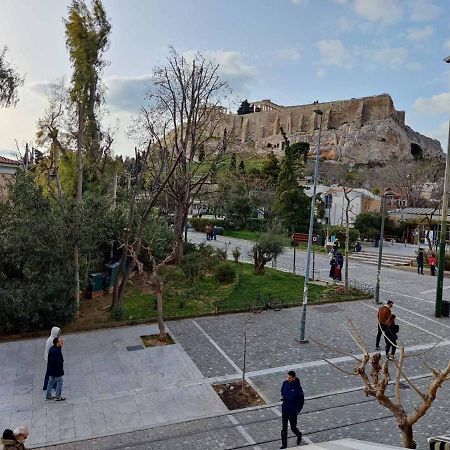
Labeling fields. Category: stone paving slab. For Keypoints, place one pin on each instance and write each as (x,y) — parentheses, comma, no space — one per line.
(108,388)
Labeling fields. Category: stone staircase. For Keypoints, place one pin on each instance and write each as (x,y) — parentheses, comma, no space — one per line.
(387,260)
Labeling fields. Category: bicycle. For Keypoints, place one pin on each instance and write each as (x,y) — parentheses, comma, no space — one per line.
(260,304)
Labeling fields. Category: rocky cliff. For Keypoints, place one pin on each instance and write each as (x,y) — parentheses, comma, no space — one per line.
(357,131)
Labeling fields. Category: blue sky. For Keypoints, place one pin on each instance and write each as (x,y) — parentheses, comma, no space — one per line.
(291,51)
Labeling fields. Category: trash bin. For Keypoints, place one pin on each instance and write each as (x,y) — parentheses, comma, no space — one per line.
(445,308)
(111,272)
(96,285)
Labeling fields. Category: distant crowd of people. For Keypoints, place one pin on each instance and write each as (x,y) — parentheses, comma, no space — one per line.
(211,232)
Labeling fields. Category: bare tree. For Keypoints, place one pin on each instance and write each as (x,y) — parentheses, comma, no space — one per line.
(184,119)
(377,381)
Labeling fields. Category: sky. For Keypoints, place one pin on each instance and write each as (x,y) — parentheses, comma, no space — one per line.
(289,51)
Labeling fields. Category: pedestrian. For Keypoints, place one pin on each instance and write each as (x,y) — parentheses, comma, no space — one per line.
(208,232)
(340,263)
(432,261)
(55,369)
(357,247)
(384,312)
(55,332)
(293,399)
(214,232)
(420,261)
(10,442)
(335,247)
(391,336)
(333,265)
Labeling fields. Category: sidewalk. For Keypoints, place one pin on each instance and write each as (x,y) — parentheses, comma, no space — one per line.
(109,386)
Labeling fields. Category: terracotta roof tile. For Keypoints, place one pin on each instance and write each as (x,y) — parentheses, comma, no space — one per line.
(13,162)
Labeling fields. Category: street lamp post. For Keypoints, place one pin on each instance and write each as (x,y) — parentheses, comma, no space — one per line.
(310,233)
(443,235)
(380,249)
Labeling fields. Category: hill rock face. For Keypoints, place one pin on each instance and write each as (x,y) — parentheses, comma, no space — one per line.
(358,131)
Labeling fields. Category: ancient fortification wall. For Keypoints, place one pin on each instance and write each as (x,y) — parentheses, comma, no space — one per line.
(357,130)
(294,119)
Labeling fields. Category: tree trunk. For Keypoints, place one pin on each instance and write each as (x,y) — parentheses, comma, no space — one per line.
(76,252)
(347,244)
(181,213)
(407,436)
(159,291)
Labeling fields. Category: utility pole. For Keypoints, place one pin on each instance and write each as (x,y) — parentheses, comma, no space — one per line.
(443,235)
(380,249)
(310,233)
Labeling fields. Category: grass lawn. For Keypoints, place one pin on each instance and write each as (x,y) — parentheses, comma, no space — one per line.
(208,297)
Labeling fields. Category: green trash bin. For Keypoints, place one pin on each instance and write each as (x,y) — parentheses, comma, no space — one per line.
(96,285)
(111,272)
(445,308)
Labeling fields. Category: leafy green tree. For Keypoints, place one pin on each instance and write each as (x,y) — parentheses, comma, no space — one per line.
(293,205)
(238,205)
(10,80)
(244,108)
(35,265)
(266,248)
(271,168)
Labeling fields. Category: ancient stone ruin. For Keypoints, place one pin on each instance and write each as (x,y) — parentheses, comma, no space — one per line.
(360,130)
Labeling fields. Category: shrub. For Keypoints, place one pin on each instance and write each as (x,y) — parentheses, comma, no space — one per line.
(220,230)
(224,273)
(199,223)
(192,267)
(256,224)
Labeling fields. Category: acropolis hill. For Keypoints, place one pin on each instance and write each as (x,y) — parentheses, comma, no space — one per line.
(360,130)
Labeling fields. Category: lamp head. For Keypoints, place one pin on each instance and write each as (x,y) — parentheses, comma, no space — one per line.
(447,60)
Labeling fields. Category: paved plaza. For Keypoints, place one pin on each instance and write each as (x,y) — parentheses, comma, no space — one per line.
(161,398)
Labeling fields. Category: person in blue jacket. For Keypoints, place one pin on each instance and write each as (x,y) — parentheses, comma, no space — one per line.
(293,400)
(55,369)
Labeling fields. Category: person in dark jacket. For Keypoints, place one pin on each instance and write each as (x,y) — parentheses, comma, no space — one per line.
(293,399)
(391,337)
(55,369)
(340,262)
(420,260)
(333,265)
(10,442)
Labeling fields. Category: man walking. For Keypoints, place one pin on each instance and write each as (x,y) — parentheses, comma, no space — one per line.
(55,370)
(420,261)
(293,399)
(384,313)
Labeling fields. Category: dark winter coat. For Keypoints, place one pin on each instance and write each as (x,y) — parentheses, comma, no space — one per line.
(293,397)
(55,363)
(340,260)
(420,259)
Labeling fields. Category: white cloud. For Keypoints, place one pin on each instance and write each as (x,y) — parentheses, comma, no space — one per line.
(384,11)
(447,44)
(233,69)
(440,133)
(127,93)
(423,10)
(433,106)
(390,57)
(420,34)
(291,54)
(334,53)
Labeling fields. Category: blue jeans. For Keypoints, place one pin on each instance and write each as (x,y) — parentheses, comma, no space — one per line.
(57,384)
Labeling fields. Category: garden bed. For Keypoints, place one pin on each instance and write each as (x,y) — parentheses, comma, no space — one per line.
(234,397)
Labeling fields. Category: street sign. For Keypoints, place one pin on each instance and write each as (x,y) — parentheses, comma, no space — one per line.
(302,237)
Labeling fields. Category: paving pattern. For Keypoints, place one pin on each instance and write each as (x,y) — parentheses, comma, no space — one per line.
(162,398)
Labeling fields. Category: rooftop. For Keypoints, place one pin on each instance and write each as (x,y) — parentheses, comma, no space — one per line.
(12,162)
